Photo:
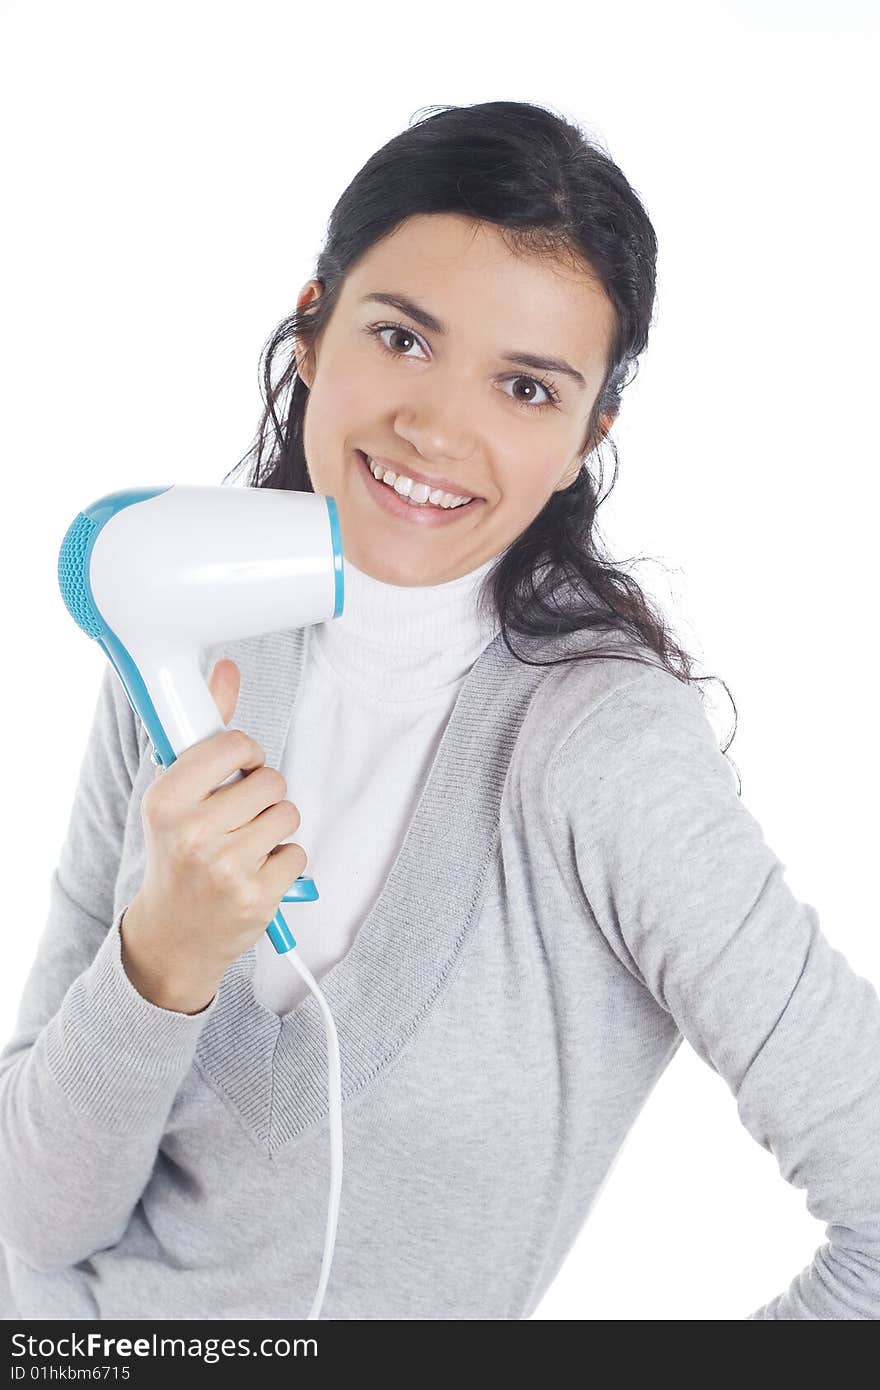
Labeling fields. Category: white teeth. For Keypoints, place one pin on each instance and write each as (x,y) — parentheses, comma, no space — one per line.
(418,494)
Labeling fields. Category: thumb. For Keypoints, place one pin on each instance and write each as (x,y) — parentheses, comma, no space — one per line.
(224,683)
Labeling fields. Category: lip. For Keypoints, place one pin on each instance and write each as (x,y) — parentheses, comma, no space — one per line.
(442,483)
(392,502)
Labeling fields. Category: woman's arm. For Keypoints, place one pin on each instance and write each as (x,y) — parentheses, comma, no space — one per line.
(679,879)
(88,1078)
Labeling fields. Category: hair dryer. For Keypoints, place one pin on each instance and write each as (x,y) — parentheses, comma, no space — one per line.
(156,575)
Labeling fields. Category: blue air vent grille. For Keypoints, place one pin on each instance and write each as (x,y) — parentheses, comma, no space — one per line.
(72,580)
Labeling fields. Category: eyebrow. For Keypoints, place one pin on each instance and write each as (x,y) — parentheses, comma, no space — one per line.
(434,325)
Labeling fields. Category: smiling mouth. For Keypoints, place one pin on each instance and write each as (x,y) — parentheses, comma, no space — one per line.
(425,506)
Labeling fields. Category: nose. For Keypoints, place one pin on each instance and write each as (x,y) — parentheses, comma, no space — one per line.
(438,434)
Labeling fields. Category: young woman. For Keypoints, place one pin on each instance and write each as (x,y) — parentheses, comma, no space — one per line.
(537,875)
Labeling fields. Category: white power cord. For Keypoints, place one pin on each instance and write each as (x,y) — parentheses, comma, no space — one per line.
(334,1093)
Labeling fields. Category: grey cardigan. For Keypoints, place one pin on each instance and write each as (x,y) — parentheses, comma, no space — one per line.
(580,887)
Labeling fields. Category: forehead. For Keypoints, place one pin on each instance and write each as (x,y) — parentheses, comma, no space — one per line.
(465,273)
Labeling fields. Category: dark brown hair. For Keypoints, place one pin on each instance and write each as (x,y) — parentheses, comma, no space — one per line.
(552,192)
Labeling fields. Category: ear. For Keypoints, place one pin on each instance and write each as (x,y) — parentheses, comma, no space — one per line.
(312,290)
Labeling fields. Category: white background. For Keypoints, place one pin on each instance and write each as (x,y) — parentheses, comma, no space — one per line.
(167,174)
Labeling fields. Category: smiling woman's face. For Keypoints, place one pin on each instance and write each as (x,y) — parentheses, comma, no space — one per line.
(459,409)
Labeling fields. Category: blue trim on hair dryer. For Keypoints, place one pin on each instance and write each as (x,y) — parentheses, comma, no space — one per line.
(73,579)
(336,537)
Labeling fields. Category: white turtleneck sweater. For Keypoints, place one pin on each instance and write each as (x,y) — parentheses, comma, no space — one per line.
(378,687)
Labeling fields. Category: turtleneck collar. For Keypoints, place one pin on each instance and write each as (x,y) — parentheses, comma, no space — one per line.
(398,643)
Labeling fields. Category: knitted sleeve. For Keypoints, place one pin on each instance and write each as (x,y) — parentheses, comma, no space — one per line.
(89,1075)
(676,873)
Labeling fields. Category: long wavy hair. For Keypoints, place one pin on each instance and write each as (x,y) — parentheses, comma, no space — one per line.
(552,192)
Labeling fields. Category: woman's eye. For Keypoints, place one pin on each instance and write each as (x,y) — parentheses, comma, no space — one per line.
(550,392)
(399,330)
(552,396)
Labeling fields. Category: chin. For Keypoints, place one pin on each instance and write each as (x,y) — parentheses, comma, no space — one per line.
(403,573)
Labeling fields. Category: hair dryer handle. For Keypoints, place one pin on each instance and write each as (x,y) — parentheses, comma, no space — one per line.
(282,938)
(183,712)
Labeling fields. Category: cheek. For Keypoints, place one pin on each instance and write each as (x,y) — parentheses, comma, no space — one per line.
(527,488)
(337,399)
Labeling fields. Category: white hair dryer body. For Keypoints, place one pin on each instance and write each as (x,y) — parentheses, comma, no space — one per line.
(157,575)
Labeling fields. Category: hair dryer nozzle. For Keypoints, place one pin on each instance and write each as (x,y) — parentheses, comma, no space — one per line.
(157,575)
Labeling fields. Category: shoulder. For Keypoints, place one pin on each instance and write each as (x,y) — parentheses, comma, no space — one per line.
(602,733)
(616,697)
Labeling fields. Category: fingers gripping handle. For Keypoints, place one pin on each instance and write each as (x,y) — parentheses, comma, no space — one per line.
(303,890)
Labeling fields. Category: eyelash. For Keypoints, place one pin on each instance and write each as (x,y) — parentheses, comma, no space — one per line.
(377,328)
